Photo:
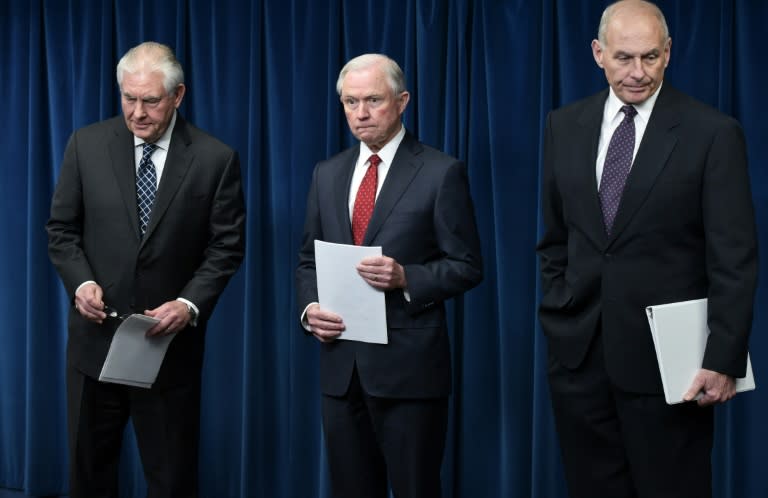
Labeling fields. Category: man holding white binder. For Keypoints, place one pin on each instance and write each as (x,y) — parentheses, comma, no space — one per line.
(646,201)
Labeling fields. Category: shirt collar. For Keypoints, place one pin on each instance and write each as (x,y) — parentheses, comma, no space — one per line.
(163,142)
(613,105)
(387,153)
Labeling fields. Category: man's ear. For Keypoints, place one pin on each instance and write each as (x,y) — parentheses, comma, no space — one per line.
(403,101)
(179,95)
(597,53)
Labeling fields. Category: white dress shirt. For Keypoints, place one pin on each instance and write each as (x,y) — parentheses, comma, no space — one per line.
(160,154)
(612,117)
(386,154)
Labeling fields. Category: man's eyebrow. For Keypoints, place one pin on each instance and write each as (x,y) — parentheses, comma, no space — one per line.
(146,97)
(622,53)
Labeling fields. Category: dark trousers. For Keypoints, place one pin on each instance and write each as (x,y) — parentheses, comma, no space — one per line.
(369,439)
(617,444)
(166,423)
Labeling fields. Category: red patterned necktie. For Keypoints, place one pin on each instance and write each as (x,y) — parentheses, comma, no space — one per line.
(618,161)
(365,199)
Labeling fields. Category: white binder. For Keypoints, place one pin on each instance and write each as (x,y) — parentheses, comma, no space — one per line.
(680,333)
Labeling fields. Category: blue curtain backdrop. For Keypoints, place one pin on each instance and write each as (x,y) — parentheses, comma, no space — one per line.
(261,76)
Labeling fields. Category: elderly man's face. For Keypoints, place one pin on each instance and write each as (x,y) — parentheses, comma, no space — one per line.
(147,107)
(373,111)
(635,55)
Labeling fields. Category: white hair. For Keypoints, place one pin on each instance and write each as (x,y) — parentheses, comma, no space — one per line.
(152,57)
(392,71)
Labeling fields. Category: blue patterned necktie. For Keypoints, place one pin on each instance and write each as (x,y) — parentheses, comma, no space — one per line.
(146,186)
(618,161)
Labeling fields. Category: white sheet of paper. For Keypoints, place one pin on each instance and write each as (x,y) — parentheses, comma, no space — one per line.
(680,333)
(342,290)
(134,359)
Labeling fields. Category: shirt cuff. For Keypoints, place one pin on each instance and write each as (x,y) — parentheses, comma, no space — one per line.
(84,284)
(304,322)
(189,303)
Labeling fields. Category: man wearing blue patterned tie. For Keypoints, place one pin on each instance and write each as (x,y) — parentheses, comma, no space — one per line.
(646,200)
(147,217)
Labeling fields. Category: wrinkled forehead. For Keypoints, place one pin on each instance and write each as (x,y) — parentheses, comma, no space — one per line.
(143,83)
(365,82)
(641,29)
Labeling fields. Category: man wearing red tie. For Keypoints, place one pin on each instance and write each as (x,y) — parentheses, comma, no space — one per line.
(385,406)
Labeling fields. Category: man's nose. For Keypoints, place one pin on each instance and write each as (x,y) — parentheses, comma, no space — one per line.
(139,109)
(362,110)
(637,71)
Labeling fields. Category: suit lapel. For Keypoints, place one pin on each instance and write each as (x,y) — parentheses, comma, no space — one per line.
(404,167)
(177,164)
(341,193)
(656,146)
(585,178)
(122,153)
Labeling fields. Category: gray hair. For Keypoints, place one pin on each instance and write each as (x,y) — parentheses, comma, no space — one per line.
(152,57)
(392,71)
(609,11)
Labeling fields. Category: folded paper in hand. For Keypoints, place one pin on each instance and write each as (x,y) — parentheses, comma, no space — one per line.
(133,358)
(680,334)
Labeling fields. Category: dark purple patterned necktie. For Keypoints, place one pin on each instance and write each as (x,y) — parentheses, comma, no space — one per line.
(618,161)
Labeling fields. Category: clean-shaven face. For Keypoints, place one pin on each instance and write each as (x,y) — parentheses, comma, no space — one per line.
(147,107)
(373,111)
(635,54)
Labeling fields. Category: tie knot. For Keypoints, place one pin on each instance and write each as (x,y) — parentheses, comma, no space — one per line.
(374,160)
(148,149)
(629,111)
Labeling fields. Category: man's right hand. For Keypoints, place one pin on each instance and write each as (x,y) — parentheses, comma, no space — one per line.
(88,302)
(324,325)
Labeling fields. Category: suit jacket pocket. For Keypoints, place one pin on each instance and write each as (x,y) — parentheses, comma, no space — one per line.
(399,318)
(196,197)
(558,297)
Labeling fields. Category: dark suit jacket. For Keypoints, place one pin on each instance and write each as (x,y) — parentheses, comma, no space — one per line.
(684,230)
(193,244)
(424,219)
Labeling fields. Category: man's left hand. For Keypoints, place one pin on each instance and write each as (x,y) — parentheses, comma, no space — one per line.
(713,386)
(382,272)
(173,316)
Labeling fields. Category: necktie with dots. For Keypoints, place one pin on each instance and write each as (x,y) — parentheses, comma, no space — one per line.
(618,161)
(365,199)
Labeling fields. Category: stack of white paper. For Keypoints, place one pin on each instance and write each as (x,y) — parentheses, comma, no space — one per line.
(342,290)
